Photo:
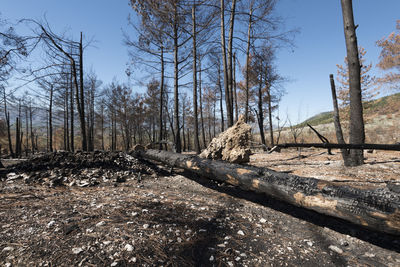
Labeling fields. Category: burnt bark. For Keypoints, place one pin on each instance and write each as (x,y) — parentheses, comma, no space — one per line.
(336,121)
(357,134)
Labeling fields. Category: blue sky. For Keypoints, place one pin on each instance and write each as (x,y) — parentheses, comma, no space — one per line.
(319,45)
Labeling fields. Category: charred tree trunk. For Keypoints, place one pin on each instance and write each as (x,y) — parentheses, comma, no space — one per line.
(17,139)
(372,207)
(177,141)
(82,99)
(72,142)
(357,134)
(161,99)
(260,114)
(336,121)
(271,130)
(195,115)
(51,119)
(203,133)
(230,65)
(221,106)
(234,88)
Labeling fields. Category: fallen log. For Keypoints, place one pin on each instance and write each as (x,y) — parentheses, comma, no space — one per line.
(374,207)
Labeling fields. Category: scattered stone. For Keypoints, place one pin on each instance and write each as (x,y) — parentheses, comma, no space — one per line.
(50,224)
(145,226)
(8,249)
(240,232)
(231,145)
(115,263)
(129,247)
(262,220)
(133,259)
(369,255)
(336,249)
(212,258)
(77,251)
(100,223)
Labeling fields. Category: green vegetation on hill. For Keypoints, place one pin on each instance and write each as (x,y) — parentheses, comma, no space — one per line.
(382,106)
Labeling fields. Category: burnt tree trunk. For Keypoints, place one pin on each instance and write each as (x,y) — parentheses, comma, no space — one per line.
(376,207)
(336,121)
(357,134)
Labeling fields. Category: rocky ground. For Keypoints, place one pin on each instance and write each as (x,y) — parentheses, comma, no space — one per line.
(111,209)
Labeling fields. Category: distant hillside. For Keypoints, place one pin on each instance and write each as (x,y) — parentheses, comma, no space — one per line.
(386,105)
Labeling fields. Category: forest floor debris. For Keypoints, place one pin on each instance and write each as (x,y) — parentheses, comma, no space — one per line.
(175,220)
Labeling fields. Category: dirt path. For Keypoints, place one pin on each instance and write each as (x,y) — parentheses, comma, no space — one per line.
(175,220)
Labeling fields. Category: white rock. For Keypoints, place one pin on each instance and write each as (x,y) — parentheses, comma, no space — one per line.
(133,259)
(134,214)
(212,258)
(230,263)
(240,232)
(369,255)
(8,249)
(128,247)
(106,242)
(50,224)
(262,220)
(77,250)
(237,259)
(100,223)
(145,226)
(221,245)
(8,264)
(115,263)
(179,240)
(336,249)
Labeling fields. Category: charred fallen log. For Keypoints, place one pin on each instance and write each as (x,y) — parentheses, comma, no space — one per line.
(394,147)
(376,208)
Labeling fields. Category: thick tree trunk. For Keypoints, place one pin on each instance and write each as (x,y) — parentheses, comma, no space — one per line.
(195,115)
(31,128)
(374,207)
(357,134)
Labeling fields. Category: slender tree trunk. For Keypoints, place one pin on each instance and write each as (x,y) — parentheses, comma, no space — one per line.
(221,107)
(357,134)
(336,121)
(178,145)
(82,99)
(30,122)
(247,89)
(261,113)
(102,125)
(234,88)
(17,138)
(271,129)
(195,115)
(7,115)
(161,99)
(27,131)
(224,61)
(51,119)
(230,65)
(203,134)
(72,113)
(183,125)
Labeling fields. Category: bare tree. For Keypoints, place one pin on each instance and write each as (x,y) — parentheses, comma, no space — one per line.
(357,134)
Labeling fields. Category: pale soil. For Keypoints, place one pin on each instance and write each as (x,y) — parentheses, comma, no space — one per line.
(182,220)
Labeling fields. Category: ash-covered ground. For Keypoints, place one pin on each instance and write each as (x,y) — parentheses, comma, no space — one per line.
(113,209)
